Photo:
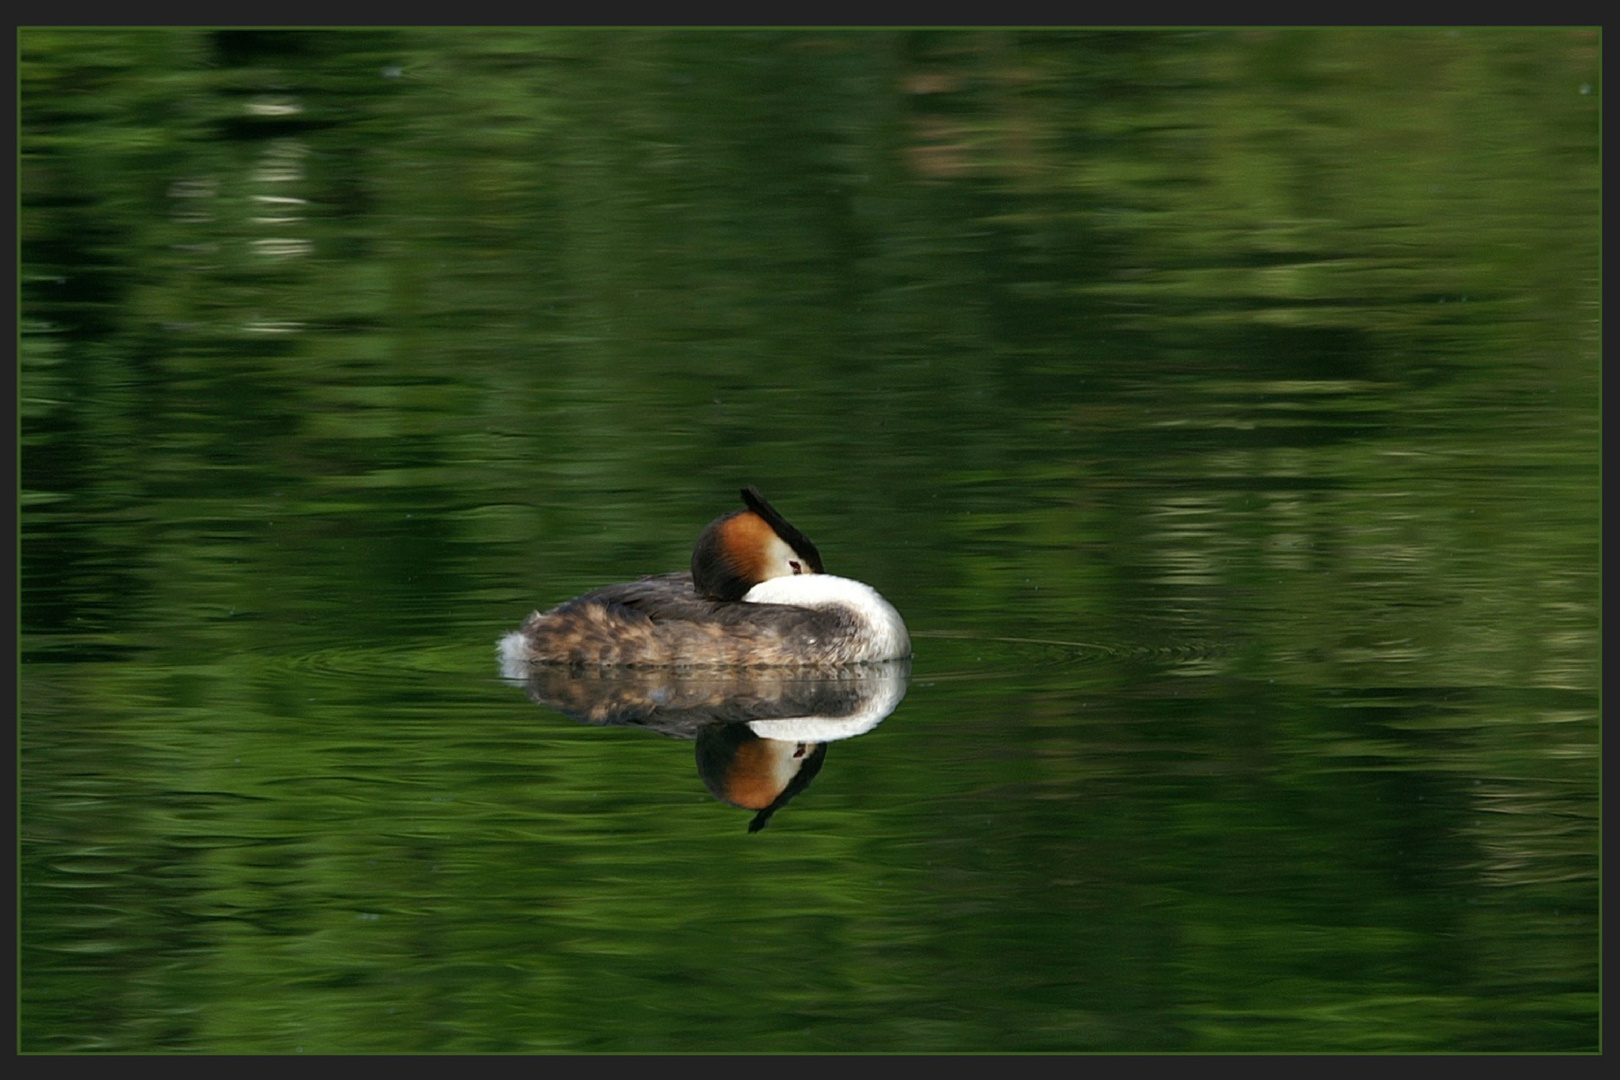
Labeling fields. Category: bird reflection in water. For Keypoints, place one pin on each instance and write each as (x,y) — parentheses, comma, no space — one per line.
(761,733)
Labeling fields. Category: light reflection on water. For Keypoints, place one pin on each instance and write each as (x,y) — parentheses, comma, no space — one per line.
(761,734)
(1220,411)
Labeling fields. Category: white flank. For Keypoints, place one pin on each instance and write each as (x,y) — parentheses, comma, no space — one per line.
(514,656)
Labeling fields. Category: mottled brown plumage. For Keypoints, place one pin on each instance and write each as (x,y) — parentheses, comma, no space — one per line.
(661,621)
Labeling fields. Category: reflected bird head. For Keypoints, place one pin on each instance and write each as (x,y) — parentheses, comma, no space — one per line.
(745,770)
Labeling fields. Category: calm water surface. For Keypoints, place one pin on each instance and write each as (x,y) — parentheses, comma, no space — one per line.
(1221,411)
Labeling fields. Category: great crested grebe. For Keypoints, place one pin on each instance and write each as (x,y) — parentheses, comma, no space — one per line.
(756,597)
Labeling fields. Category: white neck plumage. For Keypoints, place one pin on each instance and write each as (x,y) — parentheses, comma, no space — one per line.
(882,628)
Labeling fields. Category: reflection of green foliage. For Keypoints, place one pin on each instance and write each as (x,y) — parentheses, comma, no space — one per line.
(1250,380)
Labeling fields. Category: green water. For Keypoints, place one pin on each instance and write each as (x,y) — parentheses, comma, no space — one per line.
(1220,409)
